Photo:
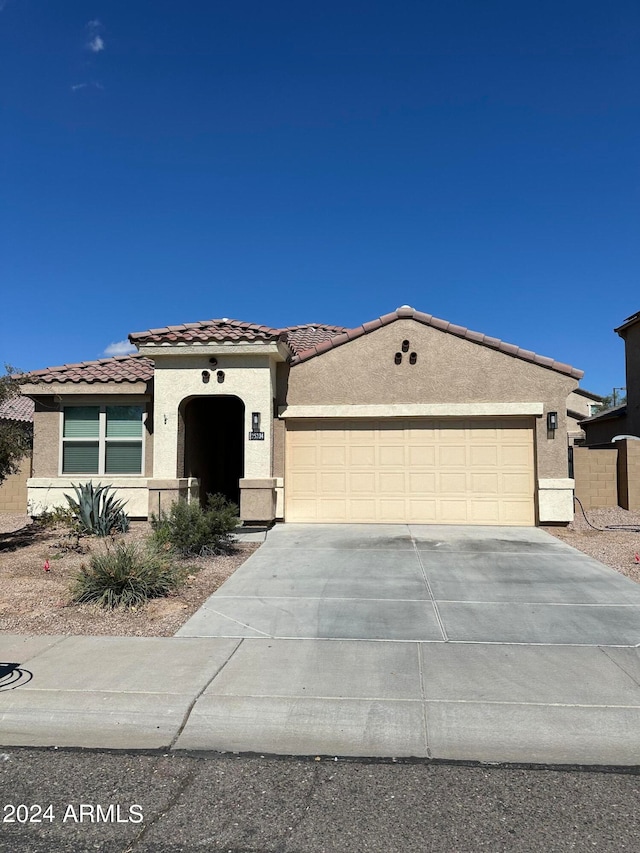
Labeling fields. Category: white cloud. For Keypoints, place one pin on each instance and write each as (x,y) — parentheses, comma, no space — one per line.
(94,25)
(96,44)
(120,348)
(93,85)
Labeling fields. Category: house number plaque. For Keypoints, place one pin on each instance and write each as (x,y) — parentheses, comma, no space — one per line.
(256,436)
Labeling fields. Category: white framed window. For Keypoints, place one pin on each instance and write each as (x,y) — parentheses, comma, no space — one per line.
(102,439)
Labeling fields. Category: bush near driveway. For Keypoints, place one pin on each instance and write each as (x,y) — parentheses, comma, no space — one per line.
(190,530)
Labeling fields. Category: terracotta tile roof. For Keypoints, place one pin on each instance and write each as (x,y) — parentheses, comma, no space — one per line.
(208,330)
(120,368)
(305,341)
(301,338)
(17,408)
(405,312)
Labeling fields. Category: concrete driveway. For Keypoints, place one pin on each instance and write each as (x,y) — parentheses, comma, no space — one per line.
(422,583)
(475,644)
(488,644)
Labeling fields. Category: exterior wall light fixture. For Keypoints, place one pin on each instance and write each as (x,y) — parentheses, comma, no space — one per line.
(552,421)
(255,421)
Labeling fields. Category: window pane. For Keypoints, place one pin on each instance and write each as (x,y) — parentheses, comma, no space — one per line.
(80,457)
(124,421)
(123,457)
(81,421)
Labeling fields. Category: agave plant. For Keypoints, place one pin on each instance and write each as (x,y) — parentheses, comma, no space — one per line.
(97,511)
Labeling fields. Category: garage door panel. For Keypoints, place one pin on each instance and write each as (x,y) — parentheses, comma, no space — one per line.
(333,456)
(415,471)
(516,455)
(332,482)
(484,511)
(454,483)
(332,509)
(483,456)
(392,457)
(422,482)
(392,509)
(362,457)
(453,511)
(362,481)
(392,482)
(366,437)
(422,456)
(485,483)
(422,511)
(304,456)
(456,455)
(364,511)
(304,483)
(515,512)
(515,484)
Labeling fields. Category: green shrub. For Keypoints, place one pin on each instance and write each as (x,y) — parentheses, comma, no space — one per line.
(96,511)
(125,575)
(191,530)
(62,515)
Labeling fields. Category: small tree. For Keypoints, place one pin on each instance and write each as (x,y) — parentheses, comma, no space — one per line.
(609,403)
(15,436)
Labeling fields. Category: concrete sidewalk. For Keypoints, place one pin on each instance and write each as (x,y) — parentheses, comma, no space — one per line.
(484,702)
(482,644)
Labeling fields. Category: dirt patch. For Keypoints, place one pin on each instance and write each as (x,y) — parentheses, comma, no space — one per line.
(37,602)
(615,548)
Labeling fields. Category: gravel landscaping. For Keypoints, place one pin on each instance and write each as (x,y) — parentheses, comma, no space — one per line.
(615,548)
(35,601)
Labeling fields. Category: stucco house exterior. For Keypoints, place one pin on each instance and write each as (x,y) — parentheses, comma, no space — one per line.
(407,418)
(581,404)
(624,419)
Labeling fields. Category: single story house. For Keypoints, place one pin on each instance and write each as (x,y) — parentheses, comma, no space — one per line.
(406,418)
(623,419)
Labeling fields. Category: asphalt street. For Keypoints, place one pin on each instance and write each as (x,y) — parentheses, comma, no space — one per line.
(259,804)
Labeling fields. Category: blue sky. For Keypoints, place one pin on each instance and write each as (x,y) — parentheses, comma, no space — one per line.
(294,162)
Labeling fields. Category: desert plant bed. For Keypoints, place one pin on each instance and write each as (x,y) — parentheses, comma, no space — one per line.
(35,601)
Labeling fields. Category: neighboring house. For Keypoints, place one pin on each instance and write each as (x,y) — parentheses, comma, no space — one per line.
(581,404)
(624,419)
(13,490)
(406,418)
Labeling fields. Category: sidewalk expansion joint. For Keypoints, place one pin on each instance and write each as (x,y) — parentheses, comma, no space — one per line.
(199,694)
(430,591)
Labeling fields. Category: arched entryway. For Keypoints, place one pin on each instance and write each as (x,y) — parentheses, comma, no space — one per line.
(214,444)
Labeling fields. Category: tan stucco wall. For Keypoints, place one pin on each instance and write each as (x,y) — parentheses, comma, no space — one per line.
(13,490)
(448,370)
(579,404)
(249,377)
(46,438)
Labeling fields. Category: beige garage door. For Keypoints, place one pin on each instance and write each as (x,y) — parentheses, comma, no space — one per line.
(449,471)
